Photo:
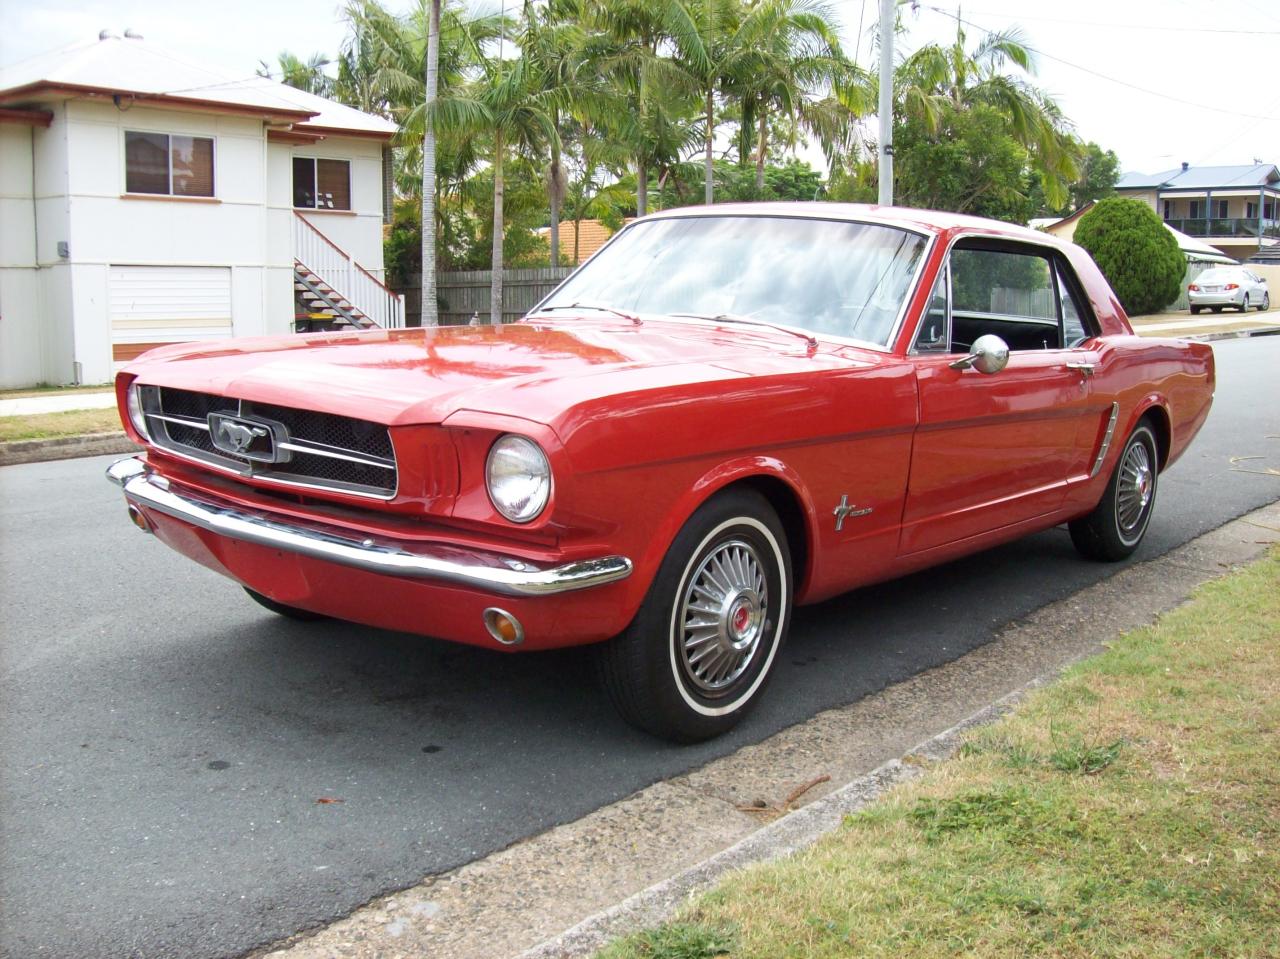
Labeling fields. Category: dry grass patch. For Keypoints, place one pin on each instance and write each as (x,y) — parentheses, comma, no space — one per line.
(41,426)
(1131,809)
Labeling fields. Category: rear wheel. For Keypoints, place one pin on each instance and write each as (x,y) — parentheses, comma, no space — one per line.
(701,649)
(1195,311)
(1117,524)
(290,612)
(1244,307)
(1266,302)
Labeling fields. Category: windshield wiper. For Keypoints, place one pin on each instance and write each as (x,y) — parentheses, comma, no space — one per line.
(752,321)
(595,306)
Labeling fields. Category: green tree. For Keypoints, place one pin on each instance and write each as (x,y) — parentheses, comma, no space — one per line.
(1099,173)
(308,75)
(631,45)
(1135,251)
(792,68)
(936,83)
(512,108)
(969,163)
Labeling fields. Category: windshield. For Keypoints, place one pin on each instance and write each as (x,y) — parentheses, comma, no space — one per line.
(824,276)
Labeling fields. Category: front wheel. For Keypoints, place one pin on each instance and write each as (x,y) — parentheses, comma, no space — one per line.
(700,651)
(1117,524)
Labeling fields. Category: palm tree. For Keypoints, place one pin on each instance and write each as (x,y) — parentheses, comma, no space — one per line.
(793,69)
(632,43)
(715,57)
(515,108)
(936,82)
(417,67)
(307,75)
(551,38)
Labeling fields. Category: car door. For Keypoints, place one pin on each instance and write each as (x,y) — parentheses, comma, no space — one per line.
(991,450)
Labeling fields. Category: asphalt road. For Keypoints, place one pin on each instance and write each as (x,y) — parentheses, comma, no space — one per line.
(165,744)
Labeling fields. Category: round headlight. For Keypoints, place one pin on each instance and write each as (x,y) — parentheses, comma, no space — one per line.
(136,416)
(519,478)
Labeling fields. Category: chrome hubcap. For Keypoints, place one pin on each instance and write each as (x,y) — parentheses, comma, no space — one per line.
(1136,486)
(722,616)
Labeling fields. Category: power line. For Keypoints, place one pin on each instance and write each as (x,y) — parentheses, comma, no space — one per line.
(1147,27)
(1110,79)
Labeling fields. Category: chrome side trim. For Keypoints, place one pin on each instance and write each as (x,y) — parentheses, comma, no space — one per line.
(1106,440)
(490,572)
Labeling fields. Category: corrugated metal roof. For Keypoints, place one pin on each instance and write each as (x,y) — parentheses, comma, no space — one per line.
(134,66)
(1204,177)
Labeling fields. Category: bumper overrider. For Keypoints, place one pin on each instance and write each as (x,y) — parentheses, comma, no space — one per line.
(146,492)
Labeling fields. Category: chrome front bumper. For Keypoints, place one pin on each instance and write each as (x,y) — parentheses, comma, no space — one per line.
(490,572)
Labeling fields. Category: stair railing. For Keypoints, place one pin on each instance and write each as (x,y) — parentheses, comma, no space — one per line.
(314,251)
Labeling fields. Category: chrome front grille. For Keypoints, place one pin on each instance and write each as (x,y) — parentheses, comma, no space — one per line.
(324,451)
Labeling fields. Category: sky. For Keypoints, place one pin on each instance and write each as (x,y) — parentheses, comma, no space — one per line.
(1160,82)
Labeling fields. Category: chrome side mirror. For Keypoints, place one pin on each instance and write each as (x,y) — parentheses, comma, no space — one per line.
(988,354)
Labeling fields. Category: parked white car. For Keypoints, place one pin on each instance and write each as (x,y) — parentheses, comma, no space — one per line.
(1223,286)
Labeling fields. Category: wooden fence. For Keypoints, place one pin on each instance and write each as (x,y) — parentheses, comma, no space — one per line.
(463,294)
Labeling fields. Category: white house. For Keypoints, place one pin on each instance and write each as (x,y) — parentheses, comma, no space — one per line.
(144,200)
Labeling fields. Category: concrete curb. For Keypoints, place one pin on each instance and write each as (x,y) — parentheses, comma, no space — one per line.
(1232,334)
(779,839)
(64,448)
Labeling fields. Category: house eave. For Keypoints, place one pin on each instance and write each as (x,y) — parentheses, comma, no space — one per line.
(31,118)
(310,128)
(294,137)
(43,90)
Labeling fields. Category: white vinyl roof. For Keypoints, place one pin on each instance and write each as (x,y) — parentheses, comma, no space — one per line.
(134,66)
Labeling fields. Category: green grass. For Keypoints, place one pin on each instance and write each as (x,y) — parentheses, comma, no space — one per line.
(1131,809)
(39,426)
(44,389)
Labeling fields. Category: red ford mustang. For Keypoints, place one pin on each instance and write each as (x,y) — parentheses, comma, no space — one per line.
(727,411)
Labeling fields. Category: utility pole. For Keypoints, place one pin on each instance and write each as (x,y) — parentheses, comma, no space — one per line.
(886,101)
(429,307)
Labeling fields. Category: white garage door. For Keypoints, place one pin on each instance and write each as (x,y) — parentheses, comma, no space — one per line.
(153,305)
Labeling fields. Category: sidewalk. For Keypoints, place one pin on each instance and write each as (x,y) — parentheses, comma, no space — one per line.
(1211,326)
(58,403)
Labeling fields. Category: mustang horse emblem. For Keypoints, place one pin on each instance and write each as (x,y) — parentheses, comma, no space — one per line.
(238,436)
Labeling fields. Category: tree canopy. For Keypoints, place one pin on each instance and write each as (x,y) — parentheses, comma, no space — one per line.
(573,109)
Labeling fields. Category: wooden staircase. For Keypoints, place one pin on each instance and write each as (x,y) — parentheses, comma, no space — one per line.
(334,292)
(318,306)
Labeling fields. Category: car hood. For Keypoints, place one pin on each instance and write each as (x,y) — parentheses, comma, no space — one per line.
(534,370)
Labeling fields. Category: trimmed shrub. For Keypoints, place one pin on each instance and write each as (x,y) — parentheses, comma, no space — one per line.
(1136,253)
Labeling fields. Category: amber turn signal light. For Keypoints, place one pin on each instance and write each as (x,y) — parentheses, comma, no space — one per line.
(503,627)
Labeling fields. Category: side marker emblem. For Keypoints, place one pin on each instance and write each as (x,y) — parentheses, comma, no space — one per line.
(845,510)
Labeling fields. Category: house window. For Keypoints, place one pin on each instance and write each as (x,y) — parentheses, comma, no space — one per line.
(168,165)
(1197,210)
(1250,211)
(1269,210)
(1168,209)
(321,184)
(1220,209)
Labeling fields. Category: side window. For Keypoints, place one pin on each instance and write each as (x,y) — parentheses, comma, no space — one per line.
(1004,290)
(1077,319)
(934,333)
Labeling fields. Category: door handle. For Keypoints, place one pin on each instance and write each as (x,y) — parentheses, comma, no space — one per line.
(1084,369)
